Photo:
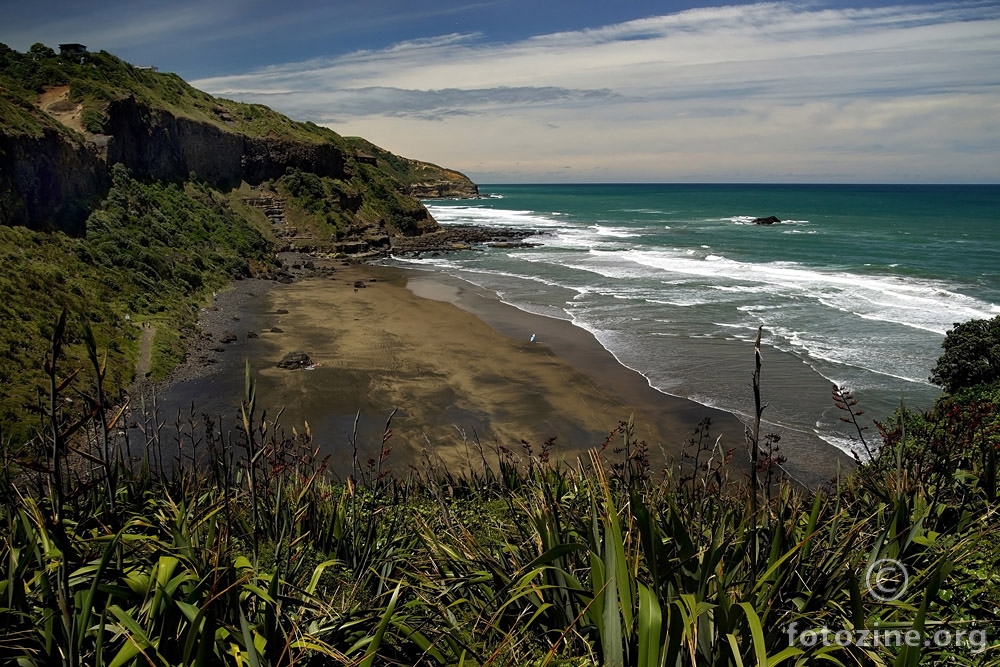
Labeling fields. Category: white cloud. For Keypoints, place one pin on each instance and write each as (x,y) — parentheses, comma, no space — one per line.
(771,91)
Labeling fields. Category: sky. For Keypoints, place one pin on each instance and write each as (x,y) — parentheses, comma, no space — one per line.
(546,91)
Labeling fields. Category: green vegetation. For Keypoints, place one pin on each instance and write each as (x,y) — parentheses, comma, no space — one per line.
(19,115)
(34,69)
(102,78)
(400,213)
(406,171)
(971,355)
(248,551)
(97,79)
(151,252)
(334,209)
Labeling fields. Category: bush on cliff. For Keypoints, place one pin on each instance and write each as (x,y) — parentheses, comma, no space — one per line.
(971,355)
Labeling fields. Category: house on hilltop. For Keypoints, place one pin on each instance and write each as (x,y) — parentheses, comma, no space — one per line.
(77,52)
(72,49)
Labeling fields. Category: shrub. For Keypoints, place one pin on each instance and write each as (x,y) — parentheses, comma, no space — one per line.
(93,121)
(971,355)
(39,51)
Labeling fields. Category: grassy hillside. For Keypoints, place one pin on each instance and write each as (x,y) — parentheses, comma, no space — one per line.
(18,112)
(413,173)
(369,203)
(152,251)
(102,78)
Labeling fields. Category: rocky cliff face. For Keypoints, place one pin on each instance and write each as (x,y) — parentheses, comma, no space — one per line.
(155,144)
(49,181)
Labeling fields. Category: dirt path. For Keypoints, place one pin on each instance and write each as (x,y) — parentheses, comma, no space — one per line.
(55,101)
(145,351)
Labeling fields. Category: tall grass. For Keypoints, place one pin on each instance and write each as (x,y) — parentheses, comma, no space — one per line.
(247,550)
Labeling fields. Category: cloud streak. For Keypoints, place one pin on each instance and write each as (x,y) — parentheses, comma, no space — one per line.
(425,104)
(770,91)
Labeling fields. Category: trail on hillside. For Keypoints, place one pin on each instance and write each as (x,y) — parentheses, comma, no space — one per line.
(55,102)
(145,351)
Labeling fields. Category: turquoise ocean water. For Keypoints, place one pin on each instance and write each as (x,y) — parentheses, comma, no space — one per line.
(858,284)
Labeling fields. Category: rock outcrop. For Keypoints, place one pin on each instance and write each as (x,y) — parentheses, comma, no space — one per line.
(52,179)
(49,181)
(445,189)
(769,220)
(294,360)
(156,144)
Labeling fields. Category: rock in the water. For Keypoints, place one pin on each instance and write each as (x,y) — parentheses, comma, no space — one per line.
(769,220)
(228,337)
(294,360)
(251,334)
(277,330)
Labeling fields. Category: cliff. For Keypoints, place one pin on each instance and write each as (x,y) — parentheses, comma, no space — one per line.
(157,144)
(49,181)
(422,180)
(58,145)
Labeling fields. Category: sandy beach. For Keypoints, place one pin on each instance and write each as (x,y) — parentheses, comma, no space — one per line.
(457,365)
(451,376)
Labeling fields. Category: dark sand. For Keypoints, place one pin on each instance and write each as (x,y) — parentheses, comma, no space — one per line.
(456,363)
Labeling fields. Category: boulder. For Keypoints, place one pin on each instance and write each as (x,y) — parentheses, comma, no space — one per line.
(769,220)
(294,360)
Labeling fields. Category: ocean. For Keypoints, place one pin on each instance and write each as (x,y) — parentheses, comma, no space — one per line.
(856,286)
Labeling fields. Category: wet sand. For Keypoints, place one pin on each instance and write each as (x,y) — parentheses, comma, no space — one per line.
(456,364)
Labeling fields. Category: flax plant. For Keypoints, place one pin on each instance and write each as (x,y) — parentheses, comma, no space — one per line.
(248,550)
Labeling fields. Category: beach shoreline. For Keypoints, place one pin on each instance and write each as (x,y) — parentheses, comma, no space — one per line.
(457,364)
(811,459)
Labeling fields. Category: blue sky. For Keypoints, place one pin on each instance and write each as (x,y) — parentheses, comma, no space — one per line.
(515,91)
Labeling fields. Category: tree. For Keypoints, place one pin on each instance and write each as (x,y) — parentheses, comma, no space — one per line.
(39,51)
(971,355)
